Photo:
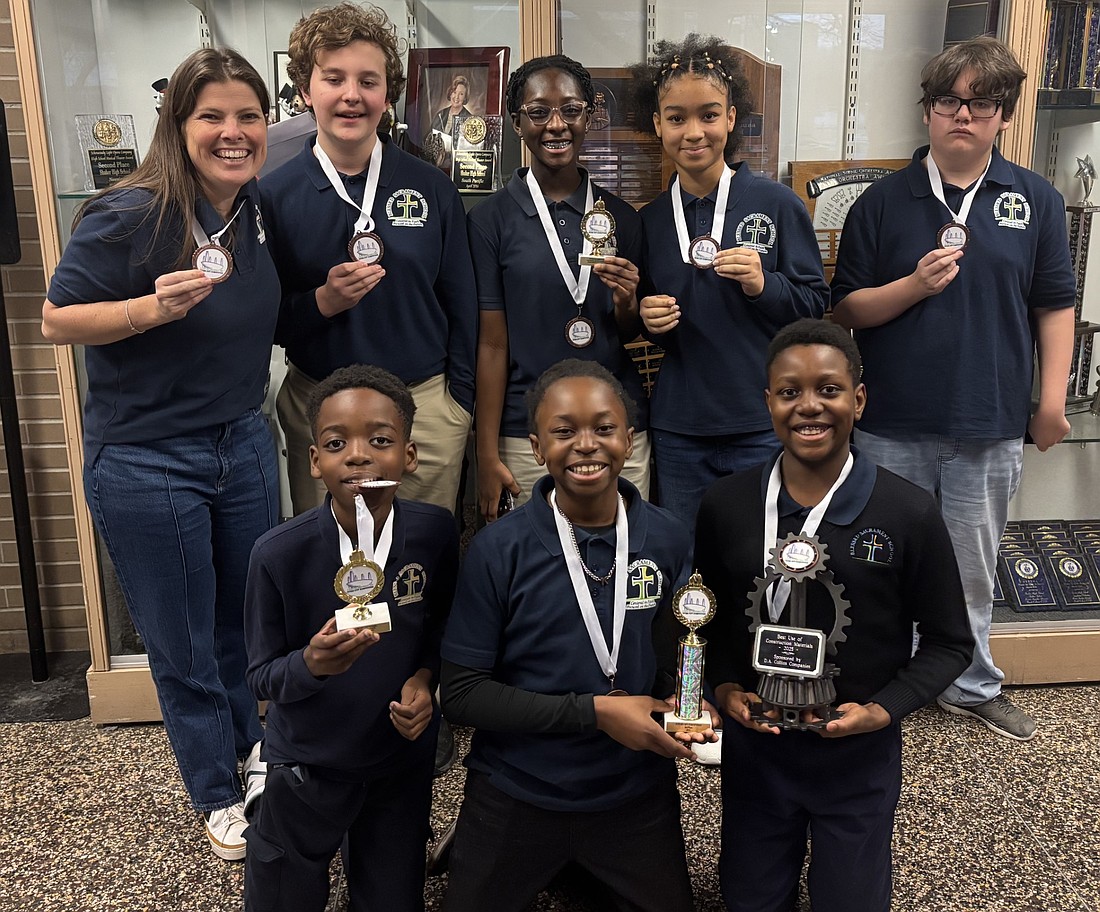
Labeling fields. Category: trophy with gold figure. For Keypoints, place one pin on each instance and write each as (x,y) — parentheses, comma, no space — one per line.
(693,606)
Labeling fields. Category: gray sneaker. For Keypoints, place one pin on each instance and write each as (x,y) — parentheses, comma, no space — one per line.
(1000,714)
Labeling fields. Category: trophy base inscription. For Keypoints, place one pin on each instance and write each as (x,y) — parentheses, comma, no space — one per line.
(674,724)
(378,620)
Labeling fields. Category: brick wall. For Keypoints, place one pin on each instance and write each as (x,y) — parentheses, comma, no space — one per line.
(41,428)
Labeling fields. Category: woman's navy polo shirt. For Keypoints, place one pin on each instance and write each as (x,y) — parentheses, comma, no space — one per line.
(516,273)
(420,320)
(175,379)
(515,615)
(958,363)
(712,377)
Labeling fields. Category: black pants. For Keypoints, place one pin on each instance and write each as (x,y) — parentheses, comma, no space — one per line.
(775,786)
(507,851)
(302,820)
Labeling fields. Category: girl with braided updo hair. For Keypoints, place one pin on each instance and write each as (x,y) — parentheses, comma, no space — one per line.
(730,257)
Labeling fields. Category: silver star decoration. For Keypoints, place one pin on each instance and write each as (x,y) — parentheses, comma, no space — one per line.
(1086,171)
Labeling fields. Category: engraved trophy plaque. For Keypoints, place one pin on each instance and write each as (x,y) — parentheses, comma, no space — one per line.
(795,675)
(693,606)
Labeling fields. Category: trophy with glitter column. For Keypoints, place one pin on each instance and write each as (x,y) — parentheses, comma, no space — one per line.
(693,606)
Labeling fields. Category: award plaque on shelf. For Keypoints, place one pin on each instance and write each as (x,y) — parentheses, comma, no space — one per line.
(1075,584)
(108,147)
(693,606)
(1029,584)
(475,155)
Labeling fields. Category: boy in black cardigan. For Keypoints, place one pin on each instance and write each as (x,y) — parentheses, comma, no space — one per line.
(888,547)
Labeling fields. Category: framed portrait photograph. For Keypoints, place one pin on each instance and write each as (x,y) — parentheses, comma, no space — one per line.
(284,94)
(447,86)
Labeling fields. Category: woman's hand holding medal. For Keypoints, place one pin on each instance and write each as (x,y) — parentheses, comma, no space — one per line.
(177,292)
(743,266)
(346,285)
(331,651)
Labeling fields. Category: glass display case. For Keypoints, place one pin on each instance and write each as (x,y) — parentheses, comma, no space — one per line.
(835,81)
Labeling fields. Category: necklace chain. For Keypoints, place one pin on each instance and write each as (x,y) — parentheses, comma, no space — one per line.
(602,580)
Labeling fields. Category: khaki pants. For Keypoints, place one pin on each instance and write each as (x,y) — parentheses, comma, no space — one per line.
(440,430)
(515,452)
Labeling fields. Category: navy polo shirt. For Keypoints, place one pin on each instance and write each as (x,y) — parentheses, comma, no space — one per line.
(179,378)
(341,722)
(712,377)
(958,363)
(516,272)
(421,319)
(516,616)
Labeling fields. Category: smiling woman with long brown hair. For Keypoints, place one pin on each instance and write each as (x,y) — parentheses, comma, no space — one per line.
(168,283)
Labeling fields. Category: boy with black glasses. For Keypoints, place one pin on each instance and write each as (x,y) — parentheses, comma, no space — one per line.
(954,272)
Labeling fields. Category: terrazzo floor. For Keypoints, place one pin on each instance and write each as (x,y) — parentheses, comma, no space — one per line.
(95,819)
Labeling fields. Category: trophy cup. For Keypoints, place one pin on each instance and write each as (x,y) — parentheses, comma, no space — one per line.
(693,606)
(794,675)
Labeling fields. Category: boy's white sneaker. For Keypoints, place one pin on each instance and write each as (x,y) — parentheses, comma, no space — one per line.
(225,830)
(254,773)
(709,753)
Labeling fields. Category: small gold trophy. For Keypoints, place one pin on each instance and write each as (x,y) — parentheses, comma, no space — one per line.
(598,227)
(693,606)
(357,583)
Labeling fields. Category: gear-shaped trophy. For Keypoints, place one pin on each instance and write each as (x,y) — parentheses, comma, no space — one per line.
(794,675)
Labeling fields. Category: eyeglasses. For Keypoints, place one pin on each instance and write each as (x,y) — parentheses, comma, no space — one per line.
(540,115)
(981,108)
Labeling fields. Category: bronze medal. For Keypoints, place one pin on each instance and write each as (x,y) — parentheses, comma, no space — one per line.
(702,252)
(366,247)
(580,332)
(214,262)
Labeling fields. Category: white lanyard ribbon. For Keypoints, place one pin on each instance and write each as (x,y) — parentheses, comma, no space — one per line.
(719,213)
(936,181)
(374,169)
(609,660)
(364,530)
(578,287)
(778,602)
(201,239)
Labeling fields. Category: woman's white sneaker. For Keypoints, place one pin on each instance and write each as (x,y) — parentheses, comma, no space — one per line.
(225,830)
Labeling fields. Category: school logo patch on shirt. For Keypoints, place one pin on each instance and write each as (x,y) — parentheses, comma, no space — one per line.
(644,585)
(756,231)
(872,546)
(1011,210)
(407,209)
(408,585)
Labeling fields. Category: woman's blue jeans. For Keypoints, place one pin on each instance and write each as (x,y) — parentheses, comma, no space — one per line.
(179,517)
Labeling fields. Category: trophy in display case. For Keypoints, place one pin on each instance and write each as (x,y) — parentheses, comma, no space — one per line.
(791,658)
(693,606)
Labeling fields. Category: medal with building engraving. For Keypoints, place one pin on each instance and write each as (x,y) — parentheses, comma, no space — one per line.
(580,331)
(693,605)
(702,252)
(953,236)
(598,227)
(213,261)
(366,247)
